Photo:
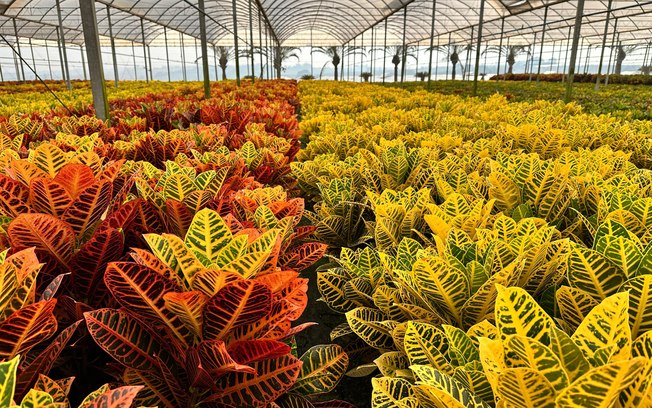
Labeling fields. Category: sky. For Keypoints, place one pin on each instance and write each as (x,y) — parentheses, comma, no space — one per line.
(293,68)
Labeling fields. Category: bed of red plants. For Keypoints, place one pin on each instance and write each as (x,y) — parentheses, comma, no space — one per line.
(155,260)
(590,78)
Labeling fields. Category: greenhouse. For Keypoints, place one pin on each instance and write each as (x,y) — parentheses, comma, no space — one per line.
(326,203)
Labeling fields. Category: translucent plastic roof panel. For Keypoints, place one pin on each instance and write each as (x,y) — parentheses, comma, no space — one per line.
(334,22)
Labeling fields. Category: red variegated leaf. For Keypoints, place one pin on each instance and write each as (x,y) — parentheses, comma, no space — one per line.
(277,281)
(122,217)
(141,290)
(148,259)
(237,304)
(293,401)
(272,379)
(87,209)
(216,360)
(51,387)
(75,178)
(31,367)
(111,170)
(301,257)
(156,391)
(295,294)
(210,281)
(53,287)
(89,264)
(124,338)
(179,217)
(333,404)
(27,327)
(49,197)
(13,197)
(122,397)
(249,351)
(198,377)
(44,232)
(188,306)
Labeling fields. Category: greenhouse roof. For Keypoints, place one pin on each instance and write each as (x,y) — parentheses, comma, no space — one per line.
(330,22)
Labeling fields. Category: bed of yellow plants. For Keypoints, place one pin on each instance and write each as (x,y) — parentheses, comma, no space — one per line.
(487,253)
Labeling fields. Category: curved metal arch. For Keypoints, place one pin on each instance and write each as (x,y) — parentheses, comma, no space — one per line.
(289,18)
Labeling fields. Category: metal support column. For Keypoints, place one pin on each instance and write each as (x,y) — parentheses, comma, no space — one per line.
(432,39)
(81,51)
(552,55)
(611,51)
(183,58)
(217,78)
(62,40)
(149,61)
(604,43)
(465,69)
(197,57)
(543,39)
(31,51)
(531,69)
(251,45)
(235,43)
(355,48)
(500,48)
(342,63)
(385,52)
(448,54)
(372,55)
(260,43)
(568,42)
(477,51)
(204,49)
(361,54)
(22,68)
(142,33)
(404,56)
(576,40)
(167,53)
(47,56)
(94,52)
(133,54)
(113,55)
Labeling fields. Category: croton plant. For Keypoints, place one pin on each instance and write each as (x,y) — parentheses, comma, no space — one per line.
(157,260)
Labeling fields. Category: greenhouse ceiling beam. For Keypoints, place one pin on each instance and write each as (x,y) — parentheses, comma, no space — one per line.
(262,11)
(564,21)
(381,20)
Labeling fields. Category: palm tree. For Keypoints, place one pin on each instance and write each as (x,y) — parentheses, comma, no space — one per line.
(397,52)
(333,53)
(224,54)
(282,54)
(511,52)
(453,51)
(623,52)
(279,56)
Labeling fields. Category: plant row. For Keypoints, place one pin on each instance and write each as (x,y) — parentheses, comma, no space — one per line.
(492,253)
(159,255)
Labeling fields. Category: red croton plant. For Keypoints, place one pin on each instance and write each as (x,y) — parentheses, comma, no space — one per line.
(173,276)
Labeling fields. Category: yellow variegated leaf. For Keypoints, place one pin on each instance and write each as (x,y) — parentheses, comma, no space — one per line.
(392,393)
(451,389)
(518,314)
(207,234)
(606,326)
(525,388)
(425,344)
(601,386)
(524,352)
(591,272)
